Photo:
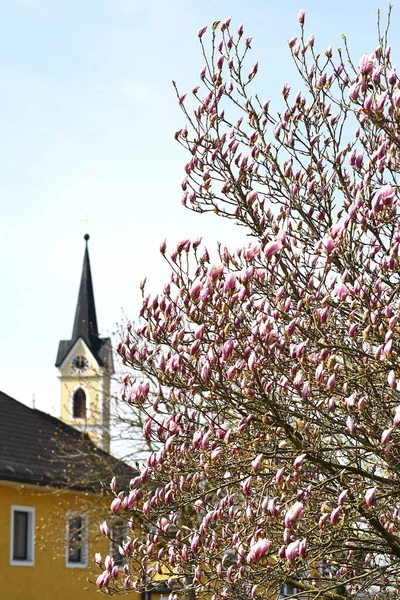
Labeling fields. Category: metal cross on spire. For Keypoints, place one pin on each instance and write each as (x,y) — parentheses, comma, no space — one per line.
(86,220)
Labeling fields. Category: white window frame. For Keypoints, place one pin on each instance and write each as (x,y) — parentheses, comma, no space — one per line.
(30,560)
(71,515)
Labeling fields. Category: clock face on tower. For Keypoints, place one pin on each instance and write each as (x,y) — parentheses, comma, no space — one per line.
(80,364)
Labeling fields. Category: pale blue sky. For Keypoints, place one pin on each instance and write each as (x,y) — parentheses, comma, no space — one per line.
(87,116)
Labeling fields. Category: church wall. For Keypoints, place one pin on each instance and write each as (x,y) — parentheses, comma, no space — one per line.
(96,385)
(90,380)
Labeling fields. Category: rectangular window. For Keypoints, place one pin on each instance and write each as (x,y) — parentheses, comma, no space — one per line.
(22,536)
(77,551)
(119,530)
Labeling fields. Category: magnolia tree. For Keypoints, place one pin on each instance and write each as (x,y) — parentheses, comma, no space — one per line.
(277,406)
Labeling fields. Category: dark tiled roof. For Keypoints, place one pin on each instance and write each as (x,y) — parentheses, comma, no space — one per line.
(39,449)
(85,322)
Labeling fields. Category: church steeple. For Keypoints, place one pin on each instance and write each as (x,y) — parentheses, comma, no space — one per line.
(85,363)
(85,324)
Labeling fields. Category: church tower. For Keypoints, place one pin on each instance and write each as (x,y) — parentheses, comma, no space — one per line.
(85,364)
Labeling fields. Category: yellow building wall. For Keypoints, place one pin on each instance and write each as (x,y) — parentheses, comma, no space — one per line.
(50,578)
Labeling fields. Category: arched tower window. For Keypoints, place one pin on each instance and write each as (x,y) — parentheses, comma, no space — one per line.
(79,404)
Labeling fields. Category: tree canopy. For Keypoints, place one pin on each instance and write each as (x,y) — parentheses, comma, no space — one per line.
(276,403)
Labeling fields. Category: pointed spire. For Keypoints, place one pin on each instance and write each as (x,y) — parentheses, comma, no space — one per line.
(85,324)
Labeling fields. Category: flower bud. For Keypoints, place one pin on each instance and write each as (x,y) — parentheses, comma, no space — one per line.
(301,17)
(370,496)
(386,436)
(335,515)
(201,32)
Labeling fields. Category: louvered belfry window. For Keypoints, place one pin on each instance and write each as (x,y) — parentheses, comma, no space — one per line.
(79,404)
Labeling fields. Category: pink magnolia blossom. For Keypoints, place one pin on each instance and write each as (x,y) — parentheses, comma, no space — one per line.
(366,65)
(294,513)
(301,17)
(292,550)
(256,463)
(279,475)
(258,550)
(370,495)
(195,544)
(273,247)
(206,371)
(350,424)
(230,282)
(266,376)
(104,529)
(392,379)
(103,580)
(115,505)
(368,102)
(310,40)
(303,549)
(98,559)
(201,31)
(246,486)
(253,591)
(342,291)
(386,435)
(195,290)
(331,382)
(214,272)
(354,91)
(335,516)
(299,461)
(220,62)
